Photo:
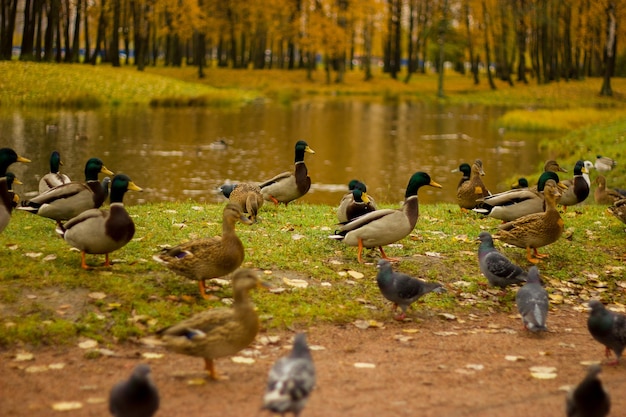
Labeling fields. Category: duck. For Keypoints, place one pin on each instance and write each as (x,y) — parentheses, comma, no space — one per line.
(53,178)
(13,196)
(289,186)
(207,258)
(513,204)
(602,195)
(469,191)
(618,209)
(7,157)
(67,201)
(218,332)
(521,183)
(535,230)
(382,227)
(604,163)
(355,203)
(577,188)
(552,166)
(248,196)
(589,166)
(100,231)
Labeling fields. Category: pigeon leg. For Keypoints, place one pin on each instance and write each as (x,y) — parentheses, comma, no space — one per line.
(202,288)
(83,263)
(107,261)
(384,255)
(400,316)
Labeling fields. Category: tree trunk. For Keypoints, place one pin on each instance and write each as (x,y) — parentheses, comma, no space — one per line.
(470,42)
(610,49)
(441,41)
(115,34)
(86,32)
(28,31)
(101,33)
(492,85)
(76,41)
(520,35)
(8,14)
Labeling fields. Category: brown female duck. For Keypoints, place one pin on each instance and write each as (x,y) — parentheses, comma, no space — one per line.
(247,196)
(214,257)
(535,230)
(618,209)
(471,190)
(218,332)
(605,196)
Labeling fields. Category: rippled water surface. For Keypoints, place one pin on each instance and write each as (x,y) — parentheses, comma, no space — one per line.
(171,153)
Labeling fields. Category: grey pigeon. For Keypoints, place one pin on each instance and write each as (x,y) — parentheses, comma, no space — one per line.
(608,328)
(588,399)
(401,289)
(291,380)
(532,302)
(497,268)
(135,397)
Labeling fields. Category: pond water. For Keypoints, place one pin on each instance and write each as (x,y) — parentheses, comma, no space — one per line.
(169,152)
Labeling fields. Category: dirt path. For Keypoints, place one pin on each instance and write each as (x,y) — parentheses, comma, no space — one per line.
(432,367)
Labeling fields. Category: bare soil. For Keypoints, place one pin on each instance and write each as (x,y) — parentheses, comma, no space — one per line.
(427,366)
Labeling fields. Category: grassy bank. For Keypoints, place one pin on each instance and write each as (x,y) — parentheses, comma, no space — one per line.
(46,298)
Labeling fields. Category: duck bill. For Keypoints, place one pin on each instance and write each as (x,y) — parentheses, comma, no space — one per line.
(308,149)
(245,220)
(365,198)
(132,186)
(18,182)
(562,186)
(22,159)
(435,184)
(104,170)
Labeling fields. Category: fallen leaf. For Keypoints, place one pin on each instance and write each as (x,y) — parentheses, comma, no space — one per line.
(33,254)
(513,358)
(297,283)
(355,274)
(151,355)
(24,356)
(96,295)
(296,236)
(56,366)
(410,330)
(475,366)
(67,406)
(364,365)
(543,372)
(241,359)
(447,316)
(88,344)
(37,368)
(445,334)
(316,347)
(50,257)
(196,381)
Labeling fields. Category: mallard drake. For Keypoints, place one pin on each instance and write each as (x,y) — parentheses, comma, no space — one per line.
(214,257)
(577,188)
(535,230)
(289,186)
(13,196)
(53,178)
(355,203)
(99,231)
(382,227)
(552,166)
(247,196)
(513,204)
(471,190)
(69,200)
(7,157)
(602,195)
(520,184)
(218,332)
(618,209)
(604,163)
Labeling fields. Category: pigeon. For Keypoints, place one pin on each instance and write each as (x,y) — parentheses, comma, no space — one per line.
(497,268)
(401,289)
(532,302)
(608,328)
(291,380)
(588,399)
(135,397)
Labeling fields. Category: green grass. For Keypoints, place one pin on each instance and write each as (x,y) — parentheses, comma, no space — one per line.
(46,298)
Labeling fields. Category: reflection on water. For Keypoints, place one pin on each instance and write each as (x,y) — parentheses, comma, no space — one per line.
(177,154)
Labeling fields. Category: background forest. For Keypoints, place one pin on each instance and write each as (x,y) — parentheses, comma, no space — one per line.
(546,40)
